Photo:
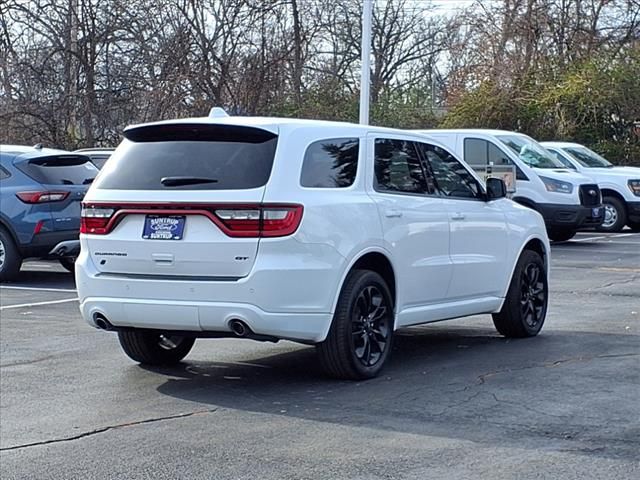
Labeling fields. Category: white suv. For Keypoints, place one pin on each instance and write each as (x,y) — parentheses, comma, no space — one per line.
(620,186)
(323,233)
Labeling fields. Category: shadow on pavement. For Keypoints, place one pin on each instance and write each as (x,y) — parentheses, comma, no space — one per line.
(464,383)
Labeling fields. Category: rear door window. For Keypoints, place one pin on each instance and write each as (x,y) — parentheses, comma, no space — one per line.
(331,163)
(190,157)
(398,168)
(60,169)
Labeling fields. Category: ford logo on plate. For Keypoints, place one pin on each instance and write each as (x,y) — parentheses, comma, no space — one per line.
(164,224)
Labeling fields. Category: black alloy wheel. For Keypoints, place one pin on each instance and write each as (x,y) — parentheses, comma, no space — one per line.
(370,326)
(361,333)
(533,299)
(525,307)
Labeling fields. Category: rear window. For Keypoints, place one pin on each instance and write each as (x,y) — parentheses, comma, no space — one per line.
(60,170)
(190,157)
(99,159)
(330,163)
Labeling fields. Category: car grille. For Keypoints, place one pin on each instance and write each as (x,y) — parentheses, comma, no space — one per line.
(590,195)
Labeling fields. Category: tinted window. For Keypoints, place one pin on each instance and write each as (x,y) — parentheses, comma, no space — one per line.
(330,163)
(226,157)
(452,178)
(475,151)
(398,168)
(4,173)
(60,170)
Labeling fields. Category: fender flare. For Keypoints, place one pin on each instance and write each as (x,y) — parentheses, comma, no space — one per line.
(547,263)
(343,276)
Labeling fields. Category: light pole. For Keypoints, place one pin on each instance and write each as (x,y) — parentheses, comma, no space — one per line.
(365,74)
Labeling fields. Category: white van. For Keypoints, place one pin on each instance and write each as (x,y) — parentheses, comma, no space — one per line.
(620,186)
(567,200)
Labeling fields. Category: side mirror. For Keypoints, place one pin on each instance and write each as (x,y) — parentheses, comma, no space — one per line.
(496,188)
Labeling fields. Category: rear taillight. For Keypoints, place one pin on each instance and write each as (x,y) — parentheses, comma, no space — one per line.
(260,221)
(42,197)
(95,220)
(235,220)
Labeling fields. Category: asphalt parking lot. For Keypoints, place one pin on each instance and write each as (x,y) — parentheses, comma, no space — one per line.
(457,400)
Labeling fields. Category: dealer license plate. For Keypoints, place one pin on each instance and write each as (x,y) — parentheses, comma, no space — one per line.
(158,227)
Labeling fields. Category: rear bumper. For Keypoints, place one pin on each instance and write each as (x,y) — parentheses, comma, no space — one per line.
(633,211)
(570,216)
(289,294)
(43,243)
(205,317)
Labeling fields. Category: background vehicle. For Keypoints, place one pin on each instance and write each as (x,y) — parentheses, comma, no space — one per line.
(98,156)
(40,195)
(324,233)
(620,186)
(567,200)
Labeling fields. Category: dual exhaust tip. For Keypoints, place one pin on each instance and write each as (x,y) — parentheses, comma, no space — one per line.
(238,327)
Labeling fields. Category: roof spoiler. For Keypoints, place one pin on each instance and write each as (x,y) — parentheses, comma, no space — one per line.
(217,112)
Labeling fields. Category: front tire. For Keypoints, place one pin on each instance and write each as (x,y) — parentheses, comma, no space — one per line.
(615,215)
(361,334)
(561,235)
(150,347)
(525,308)
(10,259)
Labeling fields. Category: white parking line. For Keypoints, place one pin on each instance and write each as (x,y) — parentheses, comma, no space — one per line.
(43,289)
(36,304)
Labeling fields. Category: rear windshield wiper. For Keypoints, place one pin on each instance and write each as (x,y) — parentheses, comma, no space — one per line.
(179,181)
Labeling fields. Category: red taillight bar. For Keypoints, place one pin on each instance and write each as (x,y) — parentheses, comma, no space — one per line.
(42,197)
(235,220)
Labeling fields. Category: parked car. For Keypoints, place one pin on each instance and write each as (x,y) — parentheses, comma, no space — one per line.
(323,233)
(567,201)
(40,205)
(620,186)
(98,156)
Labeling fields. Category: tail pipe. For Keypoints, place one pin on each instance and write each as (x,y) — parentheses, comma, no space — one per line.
(101,322)
(240,328)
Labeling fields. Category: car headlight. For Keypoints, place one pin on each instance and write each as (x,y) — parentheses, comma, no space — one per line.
(634,186)
(553,185)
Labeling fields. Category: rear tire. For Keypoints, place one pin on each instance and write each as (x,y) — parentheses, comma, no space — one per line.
(69,263)
(361,334)
(525,308)
(10,258)
(561,235)
(154,347)
(615,215)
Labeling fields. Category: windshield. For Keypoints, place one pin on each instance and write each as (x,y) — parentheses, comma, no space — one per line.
(588,158)
(530,151)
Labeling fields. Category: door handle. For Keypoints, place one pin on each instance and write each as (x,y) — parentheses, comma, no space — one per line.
(458,216)
(391,213)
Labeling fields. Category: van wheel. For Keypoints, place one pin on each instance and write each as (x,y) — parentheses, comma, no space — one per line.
(154,347)
(69,263)
(361,334)
(615,215)
(525,308)
(561,235)
(10,259)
